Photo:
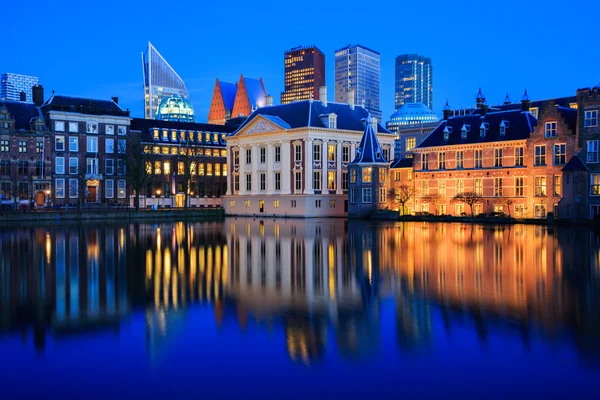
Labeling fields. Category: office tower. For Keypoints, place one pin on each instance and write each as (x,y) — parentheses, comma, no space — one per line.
(304,69)
(357,68)
(12,87)
(413,80)
(160,81)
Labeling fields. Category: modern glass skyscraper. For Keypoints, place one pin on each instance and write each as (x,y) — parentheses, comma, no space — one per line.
(413,80)
(160,81)
(357,68)
(304,69)
(11,86)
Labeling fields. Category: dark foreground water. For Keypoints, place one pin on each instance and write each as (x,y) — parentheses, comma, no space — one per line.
(299,309)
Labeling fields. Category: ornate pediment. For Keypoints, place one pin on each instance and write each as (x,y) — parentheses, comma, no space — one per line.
(260,125)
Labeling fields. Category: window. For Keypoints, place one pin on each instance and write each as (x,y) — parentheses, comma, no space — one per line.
(331,122)
(560,154)
(166,167)
(346,154)
(353,175)
(442,187)
(460,159)
(519,186)
(478,158)
(92,144)
(263,182)
(293,203)
(120,167)
(248,182)
(483,128)
(59,143)
(539,186)
(503,126)
(275,203)
(277,181)
(59,126)
(331,152)
(39,166)
(498,158)
(92,127)
(122,130)
(209,169)
(59,188)
(277,153)
(424,188)
(110,166)
(73,188)
(592,151)
(110,145)
(298,179)
(317,180)
(109,188)
(92,166)
(539,211)
(122,143)
(22,146)
(316,152)
(478,185)
(534,111)
(73,127)
(366,174)
(73,165)
(232,203)
(441,160)
(382,197)
(382,173)
(595,184)
(591,118)
(460,186)
(247,203)
(23,168)
(550,129)
(110,130)
(396,176)
(39,147)
(344,180)
(352,195)
(331,203)
(236,183)
(298,153)
(59,165)
(367,197)
(263,155)
(248,156)
(318,203)
(4,146)
(331,181)
(386,153)
(236,158)
(157,168)
(557,185)
(425,208)
(121,186)
(498,187)
(519,156)
(5,190)
(411,143)
(424,162)
(540,155)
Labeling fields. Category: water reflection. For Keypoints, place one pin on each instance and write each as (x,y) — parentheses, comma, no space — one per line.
(322,285)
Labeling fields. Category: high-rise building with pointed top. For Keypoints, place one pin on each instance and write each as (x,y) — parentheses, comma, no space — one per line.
(160,81)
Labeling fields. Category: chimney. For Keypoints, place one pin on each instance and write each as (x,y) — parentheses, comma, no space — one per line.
(22,96)
(525,103)
(37,94)
(323,95)
(269,100)
(374,122)
(115,99)
(351,94)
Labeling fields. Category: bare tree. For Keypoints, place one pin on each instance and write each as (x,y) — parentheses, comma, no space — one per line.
(190,170)
(135,160)
(434,199)
(505,201)
(470,198)
(401,194)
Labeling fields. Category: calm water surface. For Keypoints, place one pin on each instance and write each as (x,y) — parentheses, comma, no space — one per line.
(299,309)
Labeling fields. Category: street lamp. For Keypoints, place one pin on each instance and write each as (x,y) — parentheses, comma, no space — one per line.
(158,192)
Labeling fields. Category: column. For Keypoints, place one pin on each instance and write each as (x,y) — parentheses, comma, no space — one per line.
(270,174)
(352,151)
(338,163)
(286,168)
(255,156)
(325,169)
(242,170)
(229,172)
(308,170)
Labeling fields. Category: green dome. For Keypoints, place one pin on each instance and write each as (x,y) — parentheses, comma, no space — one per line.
(175,108)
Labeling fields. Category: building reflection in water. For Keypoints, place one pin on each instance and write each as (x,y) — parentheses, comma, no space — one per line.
(323,284)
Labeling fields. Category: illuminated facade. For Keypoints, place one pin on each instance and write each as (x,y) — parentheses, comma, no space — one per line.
(304,69)
(413,80)
(357,71)
(292,159)
(160,81)
(236,100)
(175,108)
(14,86)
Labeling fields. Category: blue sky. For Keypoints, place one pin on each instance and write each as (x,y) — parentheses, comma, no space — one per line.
(93,49)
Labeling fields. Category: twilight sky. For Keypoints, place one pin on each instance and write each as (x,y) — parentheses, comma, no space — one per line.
(93,49)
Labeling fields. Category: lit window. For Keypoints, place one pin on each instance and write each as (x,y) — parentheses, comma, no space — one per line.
(366,174)
(539,185)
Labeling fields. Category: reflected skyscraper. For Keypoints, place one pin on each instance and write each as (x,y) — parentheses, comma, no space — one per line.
(160,81)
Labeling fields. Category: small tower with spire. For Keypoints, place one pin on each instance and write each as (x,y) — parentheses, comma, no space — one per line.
(507,99)
(525,102)
(447,111)
(480,99)
(367,175)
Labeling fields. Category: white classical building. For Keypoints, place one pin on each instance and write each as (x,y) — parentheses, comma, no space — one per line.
(292,160)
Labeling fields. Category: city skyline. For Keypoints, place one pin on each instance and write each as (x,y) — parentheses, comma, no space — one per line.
(199,60)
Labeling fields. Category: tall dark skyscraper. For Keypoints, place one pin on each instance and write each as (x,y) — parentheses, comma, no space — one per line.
(413,80)
(304,69)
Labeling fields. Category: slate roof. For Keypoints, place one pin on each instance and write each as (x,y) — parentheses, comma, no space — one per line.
(570,116)
(145,126)
(302,114)
(575,164)
(402,163)
(520,126)
(83,105)
(256,92)
(369,150)
(541,104)
(23,113)
(228,91)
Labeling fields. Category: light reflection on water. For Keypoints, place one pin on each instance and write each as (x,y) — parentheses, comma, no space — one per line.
(327,291)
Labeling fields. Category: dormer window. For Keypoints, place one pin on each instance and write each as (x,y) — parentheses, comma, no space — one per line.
(447,132)
(331,122)
(483,128)
(463,131)
(503,126)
